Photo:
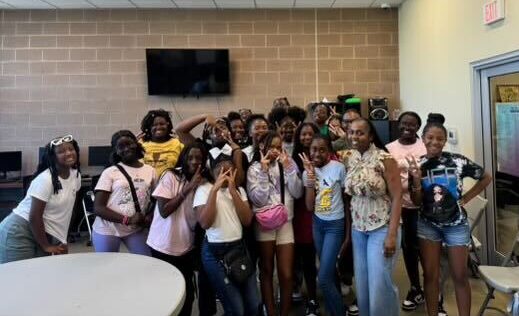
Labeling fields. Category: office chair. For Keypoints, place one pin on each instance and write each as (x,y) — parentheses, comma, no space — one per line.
(505,279)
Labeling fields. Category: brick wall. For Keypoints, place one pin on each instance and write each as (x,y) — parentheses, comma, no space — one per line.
(83,71)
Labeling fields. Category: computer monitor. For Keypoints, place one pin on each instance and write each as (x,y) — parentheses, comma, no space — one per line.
(11,162)
(99,155)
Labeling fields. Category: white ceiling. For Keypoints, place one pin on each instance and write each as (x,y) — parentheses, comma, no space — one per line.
(194,4)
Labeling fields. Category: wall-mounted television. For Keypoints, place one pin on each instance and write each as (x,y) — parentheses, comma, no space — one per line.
(186,72)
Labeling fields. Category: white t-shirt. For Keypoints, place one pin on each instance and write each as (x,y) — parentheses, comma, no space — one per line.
(58,207)
(175,234)
(226,226)
(121,201)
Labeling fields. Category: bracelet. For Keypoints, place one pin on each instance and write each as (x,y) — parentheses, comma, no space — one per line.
(126,220)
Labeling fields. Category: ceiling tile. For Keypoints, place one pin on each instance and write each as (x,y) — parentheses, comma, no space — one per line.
(352,3)
(29,4)
(313,4)
(71,4)
(154,4)
(392,3)
(112,3)
(274,3)
(234,4)
(195,4)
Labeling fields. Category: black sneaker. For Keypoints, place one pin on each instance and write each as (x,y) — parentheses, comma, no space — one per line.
(312,308)
(414,298)
(441,310)
(353,309)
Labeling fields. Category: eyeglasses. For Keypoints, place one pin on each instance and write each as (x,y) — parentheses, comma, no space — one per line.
(60,140)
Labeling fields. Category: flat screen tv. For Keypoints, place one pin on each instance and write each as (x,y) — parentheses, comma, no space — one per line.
(186,72)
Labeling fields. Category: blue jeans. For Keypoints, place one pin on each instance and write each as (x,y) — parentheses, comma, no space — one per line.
(376,291)
(136,243)
(328,238)
(236,299)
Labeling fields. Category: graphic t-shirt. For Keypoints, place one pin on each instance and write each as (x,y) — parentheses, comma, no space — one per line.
(328,192)
(162,156)
(442,185)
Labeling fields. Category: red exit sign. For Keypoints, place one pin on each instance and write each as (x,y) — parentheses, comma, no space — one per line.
(493,11)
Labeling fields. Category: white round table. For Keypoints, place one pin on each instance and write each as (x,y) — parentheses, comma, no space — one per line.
(91,284)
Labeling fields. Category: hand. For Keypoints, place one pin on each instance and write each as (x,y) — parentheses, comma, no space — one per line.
(389,246)
(222,178)
(227,136)
(344,247)
(231,179)
(57,250)
(140,136)
(414,169)
(333,111)
(136,219)
(265,161)
(210,120)
(195,181)
(337,131)
(284,158)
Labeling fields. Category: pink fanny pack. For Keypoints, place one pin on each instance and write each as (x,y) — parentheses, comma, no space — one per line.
(272,217)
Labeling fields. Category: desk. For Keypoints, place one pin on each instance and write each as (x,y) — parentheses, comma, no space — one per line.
(91,284)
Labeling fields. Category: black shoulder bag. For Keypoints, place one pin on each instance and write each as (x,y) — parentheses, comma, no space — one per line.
(132,188)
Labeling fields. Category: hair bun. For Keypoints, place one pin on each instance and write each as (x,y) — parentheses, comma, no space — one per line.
(436,118)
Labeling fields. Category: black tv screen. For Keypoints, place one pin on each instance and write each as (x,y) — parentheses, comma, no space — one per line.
(188,71)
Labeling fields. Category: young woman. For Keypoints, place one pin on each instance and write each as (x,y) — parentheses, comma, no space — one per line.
(38,226)
(373,182)
(342,143)
(437,185)
(161,148)
(257,126)
(286,120)
(172,232)
(304,257)
(237,127)
(265,189)
(119,217)
(324,185)
(320,114)
(222,210)
(409,145)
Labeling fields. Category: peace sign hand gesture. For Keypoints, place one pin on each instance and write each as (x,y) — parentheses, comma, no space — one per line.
(284,158)
(337,131)
(414,169)
(310,170)
(265,161)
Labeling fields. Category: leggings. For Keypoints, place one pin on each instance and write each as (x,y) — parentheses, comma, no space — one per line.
(304,262)
(136,243)
(410,246)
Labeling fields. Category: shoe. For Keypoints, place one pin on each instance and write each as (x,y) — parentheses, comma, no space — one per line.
(441,310)
(353,309)
(414,298)
(312,308)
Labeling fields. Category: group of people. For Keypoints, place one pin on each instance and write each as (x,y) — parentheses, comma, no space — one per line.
(272,193)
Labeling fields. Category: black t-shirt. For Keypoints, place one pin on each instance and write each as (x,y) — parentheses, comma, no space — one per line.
(442,184)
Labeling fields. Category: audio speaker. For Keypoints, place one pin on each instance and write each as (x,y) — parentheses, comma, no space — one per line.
(378,109)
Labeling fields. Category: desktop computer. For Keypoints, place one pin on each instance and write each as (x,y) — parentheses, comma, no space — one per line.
(10,165)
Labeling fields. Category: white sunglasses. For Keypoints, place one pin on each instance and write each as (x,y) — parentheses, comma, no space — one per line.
(60,140)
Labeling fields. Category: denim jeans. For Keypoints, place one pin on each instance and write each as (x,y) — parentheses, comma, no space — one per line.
(328,238)
(237,299)
(376,291)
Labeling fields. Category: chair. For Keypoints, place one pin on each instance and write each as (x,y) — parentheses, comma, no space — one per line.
(475,211)
(88,207)
(504,278)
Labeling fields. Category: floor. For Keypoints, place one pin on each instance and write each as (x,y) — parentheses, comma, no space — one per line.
(478,291)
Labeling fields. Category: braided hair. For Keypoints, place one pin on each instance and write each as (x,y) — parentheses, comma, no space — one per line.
(49,161)
(147,122)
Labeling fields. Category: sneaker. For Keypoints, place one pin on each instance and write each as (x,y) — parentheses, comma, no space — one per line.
(312,308)
(441,310)
(353,309)
(414,298)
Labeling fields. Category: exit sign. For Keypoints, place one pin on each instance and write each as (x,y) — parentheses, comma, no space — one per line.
(493,11)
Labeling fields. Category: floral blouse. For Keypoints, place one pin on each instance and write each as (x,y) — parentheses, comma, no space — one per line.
(370,202)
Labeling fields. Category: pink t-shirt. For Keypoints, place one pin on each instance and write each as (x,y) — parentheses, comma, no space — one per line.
(121,201)
(175,234)
(399,152)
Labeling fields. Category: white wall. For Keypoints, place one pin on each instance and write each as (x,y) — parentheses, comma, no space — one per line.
(438,39)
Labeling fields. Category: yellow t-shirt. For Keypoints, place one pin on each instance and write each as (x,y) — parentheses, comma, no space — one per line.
(162,156)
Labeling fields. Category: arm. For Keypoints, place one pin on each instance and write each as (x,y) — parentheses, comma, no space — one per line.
(184,128)
(168,206)
(237,159)
(101,209)
(394,185)
(242,207)
(476,189)
(294,182)
(258,186)
(347,225)
(38,228)
(309,182)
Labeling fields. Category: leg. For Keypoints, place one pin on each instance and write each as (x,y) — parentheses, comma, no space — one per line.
(458,256)
(327,275)
(136,243)
(206,295)
(309,270)
(266,264)
(360,261)
(410,245)
(105,243)
(383,294)
(251,299)
(16,239)
(285,261)
(430,259)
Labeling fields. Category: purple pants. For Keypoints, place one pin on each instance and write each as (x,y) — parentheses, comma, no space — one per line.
(136,243)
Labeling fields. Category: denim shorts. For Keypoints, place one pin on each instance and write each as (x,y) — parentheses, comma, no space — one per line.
(458,235)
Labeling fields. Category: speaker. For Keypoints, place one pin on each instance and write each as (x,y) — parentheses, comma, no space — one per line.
(378,109)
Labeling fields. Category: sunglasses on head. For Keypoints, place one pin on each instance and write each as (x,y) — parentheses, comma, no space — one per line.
(60,140)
